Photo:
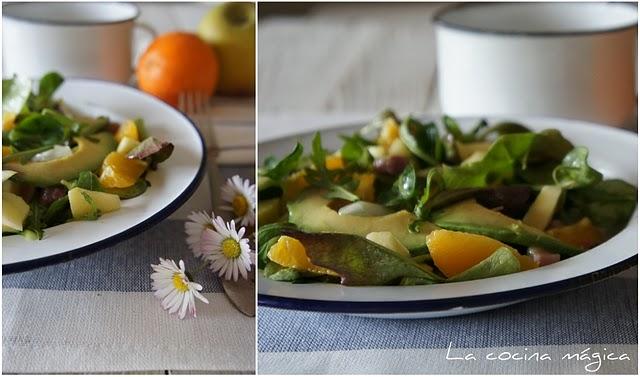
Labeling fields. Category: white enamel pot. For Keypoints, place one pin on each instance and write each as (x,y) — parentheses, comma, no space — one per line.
(573,60)
(88,40)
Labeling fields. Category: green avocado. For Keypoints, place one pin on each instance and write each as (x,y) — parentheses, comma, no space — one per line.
(469,216)
(87,156)
(311,214)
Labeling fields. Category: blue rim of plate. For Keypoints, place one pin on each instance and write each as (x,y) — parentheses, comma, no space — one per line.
(136,229)
(465,302)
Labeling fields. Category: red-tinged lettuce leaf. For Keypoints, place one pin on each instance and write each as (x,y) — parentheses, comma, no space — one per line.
(154,148)
(359,261)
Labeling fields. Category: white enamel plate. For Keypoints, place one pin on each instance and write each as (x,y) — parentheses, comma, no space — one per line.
(613,152)
(171,185)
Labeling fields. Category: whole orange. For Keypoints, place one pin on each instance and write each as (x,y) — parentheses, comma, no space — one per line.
(177,62)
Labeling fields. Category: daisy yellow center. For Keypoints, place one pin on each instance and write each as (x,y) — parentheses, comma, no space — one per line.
(240,205)
(179,283)
(230,248)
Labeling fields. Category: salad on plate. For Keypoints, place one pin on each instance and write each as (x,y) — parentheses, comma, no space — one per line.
(407,202)
(60,166)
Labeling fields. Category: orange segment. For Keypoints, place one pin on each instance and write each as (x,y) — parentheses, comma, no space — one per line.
(127,129)
(455,252)
(581,234)
(365,189)
(118,171)
(289,252)
(333,162)
(390,132)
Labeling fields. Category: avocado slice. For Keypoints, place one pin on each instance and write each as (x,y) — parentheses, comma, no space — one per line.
(87,156)
(311,213)
(469,216)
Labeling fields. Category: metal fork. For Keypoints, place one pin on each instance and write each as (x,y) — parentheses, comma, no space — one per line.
(196,106)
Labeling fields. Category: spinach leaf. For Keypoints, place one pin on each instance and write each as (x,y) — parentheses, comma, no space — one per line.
(354,151)
(34,223)
(574,171)
(549,145)
(503,128)
(130,192)
(454,129)
(434,186)
(403,190)
(501,262)
(609,204)
(423,140)
(15,92)
(59,212)
(37,130)
(49,83)
(498,165)
(357,260)
(88,181)
(281,169)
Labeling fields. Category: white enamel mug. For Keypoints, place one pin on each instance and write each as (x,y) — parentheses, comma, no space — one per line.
(88,40)
(573,60)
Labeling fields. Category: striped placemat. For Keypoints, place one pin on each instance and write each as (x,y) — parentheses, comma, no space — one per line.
(580,331)
(97,314)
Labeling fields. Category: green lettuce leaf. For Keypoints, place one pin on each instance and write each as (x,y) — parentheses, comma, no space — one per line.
(497,166)
(574,171)
(501,262)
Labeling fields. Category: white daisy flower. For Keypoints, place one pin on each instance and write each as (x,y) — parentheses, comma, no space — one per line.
(241,195)
(171,285)
(194,228)
(227,251)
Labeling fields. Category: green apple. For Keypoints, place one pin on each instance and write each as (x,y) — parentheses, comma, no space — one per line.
(230,28)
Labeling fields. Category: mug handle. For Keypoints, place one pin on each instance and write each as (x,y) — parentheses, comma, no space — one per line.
(151,35)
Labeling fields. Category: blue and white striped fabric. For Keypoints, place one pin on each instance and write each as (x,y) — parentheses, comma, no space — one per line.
(602,319)
(97,314)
